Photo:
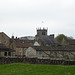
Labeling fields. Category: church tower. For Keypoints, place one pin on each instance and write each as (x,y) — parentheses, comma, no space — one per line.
(43,39)
(41,32)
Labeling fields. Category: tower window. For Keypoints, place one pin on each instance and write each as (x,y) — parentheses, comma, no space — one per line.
(43,33)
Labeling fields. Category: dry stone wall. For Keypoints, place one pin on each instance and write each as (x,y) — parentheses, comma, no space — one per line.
(36,61)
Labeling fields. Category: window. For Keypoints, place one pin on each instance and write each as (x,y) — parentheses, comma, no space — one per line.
(43,33)
(5,41)
(5,54)
(20,53)
(9,53)
(20,50)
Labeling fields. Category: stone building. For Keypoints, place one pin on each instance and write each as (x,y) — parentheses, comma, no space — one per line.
(44,39)
(23,44)
(7,41)
(7,44)
(21,48)
(4,39)
(51,52)
(68,42)
(43,46)
(6,52)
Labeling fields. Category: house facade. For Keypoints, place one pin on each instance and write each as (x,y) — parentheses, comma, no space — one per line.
(4,39)
(6,52)
(7,41)
(23,44)
(21,48)
(7,45)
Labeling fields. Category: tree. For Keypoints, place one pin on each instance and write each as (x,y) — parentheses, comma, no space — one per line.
(61,38)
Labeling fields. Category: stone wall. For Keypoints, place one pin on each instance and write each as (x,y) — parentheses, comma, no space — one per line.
(56,54)
(36,61)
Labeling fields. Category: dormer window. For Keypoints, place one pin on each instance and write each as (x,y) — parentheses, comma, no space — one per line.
(5,41)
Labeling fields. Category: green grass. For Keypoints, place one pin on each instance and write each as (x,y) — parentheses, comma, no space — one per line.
(36,69)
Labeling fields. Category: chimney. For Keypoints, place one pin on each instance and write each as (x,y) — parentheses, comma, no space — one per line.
(16,37)
(52,35)
(12,37)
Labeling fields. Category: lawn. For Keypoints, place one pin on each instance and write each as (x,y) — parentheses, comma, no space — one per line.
(36,69)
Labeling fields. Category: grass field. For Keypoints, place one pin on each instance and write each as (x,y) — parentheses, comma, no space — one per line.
(36,69)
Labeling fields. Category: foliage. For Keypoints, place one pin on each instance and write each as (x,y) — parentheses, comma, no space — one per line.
(36,69)
(60,37)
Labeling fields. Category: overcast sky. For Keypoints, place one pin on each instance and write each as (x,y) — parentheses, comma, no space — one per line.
(22,17)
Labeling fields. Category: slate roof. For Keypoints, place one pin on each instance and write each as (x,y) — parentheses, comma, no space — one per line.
(71,42)
(48,40)
(24,41)
(54,48)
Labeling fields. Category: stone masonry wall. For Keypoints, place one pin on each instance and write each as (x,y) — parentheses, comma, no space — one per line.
(36,61)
